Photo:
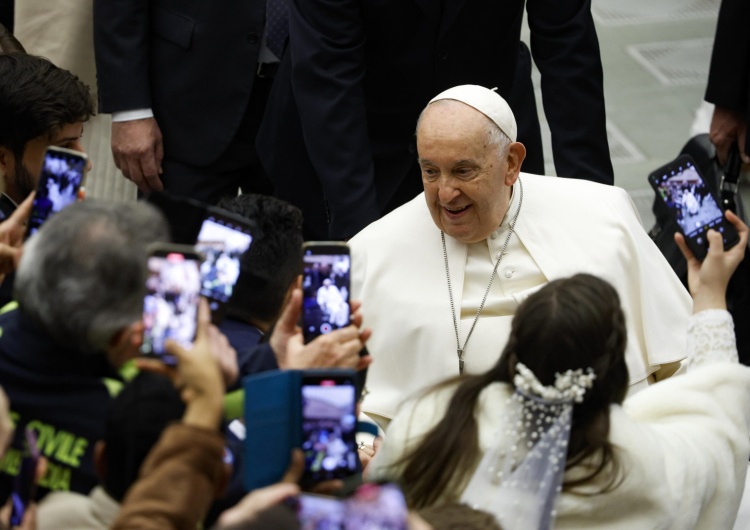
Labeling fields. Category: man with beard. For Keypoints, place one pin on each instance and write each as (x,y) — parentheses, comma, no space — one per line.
(40,105)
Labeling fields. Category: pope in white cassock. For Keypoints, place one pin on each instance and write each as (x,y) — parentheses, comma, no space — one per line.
(441,277)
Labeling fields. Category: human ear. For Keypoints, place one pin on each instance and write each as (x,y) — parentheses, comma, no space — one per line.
(125,344)
(515,157)
(6,162)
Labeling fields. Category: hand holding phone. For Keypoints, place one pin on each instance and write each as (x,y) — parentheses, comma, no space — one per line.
(63,172)
(197,372)
(222,240)
(24,486)
(708,280)
(326,287)
(329,424)
(170,307)
(691,204)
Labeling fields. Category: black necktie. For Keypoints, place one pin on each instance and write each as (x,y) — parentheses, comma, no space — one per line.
(277,25)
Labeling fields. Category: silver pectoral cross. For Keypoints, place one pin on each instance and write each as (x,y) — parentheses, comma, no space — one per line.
(460,361)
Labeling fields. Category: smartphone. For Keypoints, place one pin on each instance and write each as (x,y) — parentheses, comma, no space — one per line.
(222,240)
(170,307)
(326,286)
(329,424)
(62,176)
(371,506)
(24,485)
(688,199)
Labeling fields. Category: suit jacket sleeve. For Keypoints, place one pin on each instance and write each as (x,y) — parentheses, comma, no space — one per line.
(729,75)
(328,67)
(565,48)
(121,36)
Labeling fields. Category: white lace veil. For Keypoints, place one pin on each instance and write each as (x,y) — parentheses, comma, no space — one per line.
(519,477)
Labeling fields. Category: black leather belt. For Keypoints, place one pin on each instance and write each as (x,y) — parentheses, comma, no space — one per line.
(267,70)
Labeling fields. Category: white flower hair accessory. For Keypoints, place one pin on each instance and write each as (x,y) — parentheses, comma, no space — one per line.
(521,474)
(571,385)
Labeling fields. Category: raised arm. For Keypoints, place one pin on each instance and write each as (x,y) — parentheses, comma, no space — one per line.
(184,470)
(711,330)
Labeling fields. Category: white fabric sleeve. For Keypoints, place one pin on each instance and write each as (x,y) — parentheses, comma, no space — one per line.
(131,115)
(710,338)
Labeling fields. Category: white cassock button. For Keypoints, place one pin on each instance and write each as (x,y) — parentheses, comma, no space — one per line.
(509,273)
(493,235)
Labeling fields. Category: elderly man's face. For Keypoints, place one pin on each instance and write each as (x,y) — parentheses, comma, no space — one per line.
(466,181)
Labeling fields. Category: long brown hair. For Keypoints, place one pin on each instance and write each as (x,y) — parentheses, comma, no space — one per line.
(569,324)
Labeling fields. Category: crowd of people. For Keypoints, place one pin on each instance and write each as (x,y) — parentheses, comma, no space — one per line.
(526,354)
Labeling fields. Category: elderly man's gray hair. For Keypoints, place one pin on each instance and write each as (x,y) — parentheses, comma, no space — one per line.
(82,276)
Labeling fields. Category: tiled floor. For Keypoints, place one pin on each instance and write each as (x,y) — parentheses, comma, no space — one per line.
(655,55)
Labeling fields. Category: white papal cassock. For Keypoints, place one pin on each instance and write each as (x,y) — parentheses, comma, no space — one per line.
(564,227)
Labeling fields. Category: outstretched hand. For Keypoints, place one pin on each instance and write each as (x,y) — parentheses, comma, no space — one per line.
(708,280)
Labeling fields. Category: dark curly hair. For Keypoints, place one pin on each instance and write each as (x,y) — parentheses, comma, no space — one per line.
(273,260)
(37,99)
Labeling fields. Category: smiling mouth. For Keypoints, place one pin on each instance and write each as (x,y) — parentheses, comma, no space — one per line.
(455,210)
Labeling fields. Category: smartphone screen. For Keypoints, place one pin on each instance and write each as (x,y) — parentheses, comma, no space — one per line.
(316,511)
(170,307)
(371,506)
(376,506)
(59,183)
(221,241)
(328,428)
(690,202)
(325,283)
(24,485)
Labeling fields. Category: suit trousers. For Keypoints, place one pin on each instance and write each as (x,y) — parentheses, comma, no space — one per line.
(238,168)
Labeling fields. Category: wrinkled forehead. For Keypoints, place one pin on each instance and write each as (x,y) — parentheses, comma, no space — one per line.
(448,115)
(449,125)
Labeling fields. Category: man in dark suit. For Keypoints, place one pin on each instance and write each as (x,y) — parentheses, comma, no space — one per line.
(729,79)
(729,89)
(338,136)
(6,13)
(197,73)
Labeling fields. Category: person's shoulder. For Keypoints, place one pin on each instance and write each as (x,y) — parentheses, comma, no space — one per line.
(406,221)
(569,185)
(67,509)
(10,319)
(570,194)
